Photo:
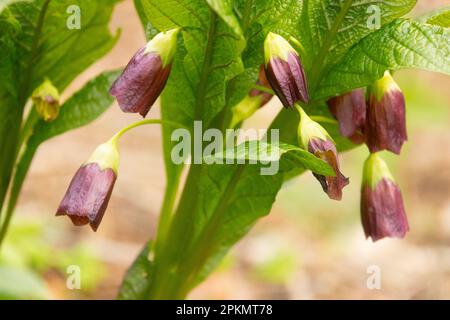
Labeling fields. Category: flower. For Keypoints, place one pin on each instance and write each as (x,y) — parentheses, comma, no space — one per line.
(382,211)
(284,70)
(89,191)
(46,101)
(386,123)
(145,76)
(314,138)
(350,111)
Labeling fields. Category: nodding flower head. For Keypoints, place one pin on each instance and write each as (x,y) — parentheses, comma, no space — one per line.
(314,138)
(386,123)
(46,101)
(89,191)
(382,211)
(350,111)
(284,70)
(145,76)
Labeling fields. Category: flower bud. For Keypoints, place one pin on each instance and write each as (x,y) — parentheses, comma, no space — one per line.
(145,76)
(89,191)
(350,111)
(284,71)
(314,138)
(382,211)
(46,100)
(252,102)
(386,123)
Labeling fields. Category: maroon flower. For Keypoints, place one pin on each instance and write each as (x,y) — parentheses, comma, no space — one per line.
(89,191)
(314,138)
(386,123)
(145,76)
(284,71)
(350,111)
(382,211)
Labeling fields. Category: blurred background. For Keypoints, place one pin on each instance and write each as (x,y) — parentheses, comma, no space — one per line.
(308,247)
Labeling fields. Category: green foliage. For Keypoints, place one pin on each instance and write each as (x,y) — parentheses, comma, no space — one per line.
(136,281)
(41,39)
(217,63)
(82,108)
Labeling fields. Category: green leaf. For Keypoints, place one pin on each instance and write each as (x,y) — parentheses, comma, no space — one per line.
(82,108)
(39,44)
(260,152)
(401,44)
(208,56)
(135,284)
(49,48)
(230,199)
(329,28)
(224,8)
(440,17)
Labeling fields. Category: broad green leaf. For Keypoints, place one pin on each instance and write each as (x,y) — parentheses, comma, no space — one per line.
(329,28)
(208,56)
(262,153)
(440,17)
(230,199)
(82,108)
(401,44)
(135,284)
(52,46)
(212,55)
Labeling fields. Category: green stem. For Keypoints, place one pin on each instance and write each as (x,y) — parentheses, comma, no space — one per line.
(17,181)
(263,89)
(323,119)
(199,252)
(119,134)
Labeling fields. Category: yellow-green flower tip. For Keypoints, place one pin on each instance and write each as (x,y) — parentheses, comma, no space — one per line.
(106,155)
(164,44)
(275,46)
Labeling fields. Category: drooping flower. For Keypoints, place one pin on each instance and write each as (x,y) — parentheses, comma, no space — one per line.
(46,101)
(350,111)
(284,70)
(252,102)
(382,211)
(145,76)
(89,191)
(314,138)
(386,123)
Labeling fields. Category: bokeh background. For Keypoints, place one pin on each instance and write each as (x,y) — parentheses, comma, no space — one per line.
(308,247)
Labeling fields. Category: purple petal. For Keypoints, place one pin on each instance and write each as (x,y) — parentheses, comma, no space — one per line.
(326,150)
(288,80)
(386,122)
(141,82)
(88,195)
(382,211)
(350,111)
